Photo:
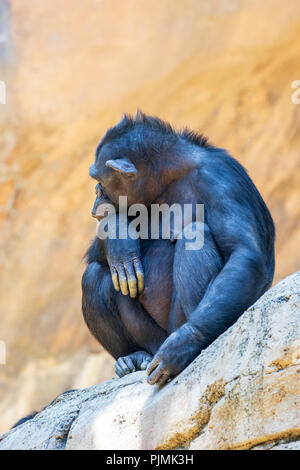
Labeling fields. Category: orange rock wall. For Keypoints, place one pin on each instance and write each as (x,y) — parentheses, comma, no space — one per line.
(71,69)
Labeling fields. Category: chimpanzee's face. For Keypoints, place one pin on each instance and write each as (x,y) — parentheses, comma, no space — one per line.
(119,176)
(101,204)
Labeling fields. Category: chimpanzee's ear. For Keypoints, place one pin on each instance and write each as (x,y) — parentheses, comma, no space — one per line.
(124,166)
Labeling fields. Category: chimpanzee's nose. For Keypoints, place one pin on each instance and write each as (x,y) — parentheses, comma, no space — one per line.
(93,172)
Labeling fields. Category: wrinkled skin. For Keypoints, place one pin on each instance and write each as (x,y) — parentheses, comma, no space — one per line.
(152,302)
(123,256)
(139,360)
(124,259)
(185,343)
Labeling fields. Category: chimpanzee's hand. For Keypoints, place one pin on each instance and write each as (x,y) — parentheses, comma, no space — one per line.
(124,259)
(175,354)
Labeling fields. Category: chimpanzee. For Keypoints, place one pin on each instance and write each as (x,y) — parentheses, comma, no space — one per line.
(190,297)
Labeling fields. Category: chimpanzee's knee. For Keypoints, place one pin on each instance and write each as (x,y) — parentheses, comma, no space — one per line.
(97,287)
(101,313)
(97,299)
(91,275)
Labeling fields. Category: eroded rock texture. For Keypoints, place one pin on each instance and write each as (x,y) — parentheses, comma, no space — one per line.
(242,392)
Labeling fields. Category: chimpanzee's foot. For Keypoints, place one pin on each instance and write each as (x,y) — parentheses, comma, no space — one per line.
(133,362)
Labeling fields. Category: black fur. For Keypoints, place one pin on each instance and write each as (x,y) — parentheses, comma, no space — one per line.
(190,297)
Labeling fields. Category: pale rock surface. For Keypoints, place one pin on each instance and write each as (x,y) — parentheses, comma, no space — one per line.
(242,392)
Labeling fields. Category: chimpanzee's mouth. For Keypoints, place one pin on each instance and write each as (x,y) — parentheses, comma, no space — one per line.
(98,217)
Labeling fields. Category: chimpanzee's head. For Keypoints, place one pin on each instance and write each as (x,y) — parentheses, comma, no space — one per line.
(102,203)
(117,174)
(137,158)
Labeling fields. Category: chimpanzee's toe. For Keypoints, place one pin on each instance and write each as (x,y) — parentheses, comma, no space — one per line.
(124,366)
(133,362)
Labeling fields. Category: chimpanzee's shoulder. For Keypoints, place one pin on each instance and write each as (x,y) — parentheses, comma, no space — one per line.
(217,165)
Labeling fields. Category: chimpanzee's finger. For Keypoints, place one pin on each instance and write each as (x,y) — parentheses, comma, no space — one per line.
(139,274)
(156,375)
(122,364)
(129,363)
(122,280)
(131,279)
(153,364)
(145,364)
(118,370)
(163,379)
(114,277)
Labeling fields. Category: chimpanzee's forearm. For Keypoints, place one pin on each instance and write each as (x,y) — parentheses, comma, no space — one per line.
(124,259)
(238,285)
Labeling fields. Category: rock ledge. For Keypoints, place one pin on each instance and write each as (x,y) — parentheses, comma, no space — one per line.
(242,392)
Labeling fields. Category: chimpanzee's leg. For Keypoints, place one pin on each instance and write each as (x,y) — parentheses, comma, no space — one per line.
(146,317)
(118,322)
(101,313)
(140,325)
(145,331)
(193,270)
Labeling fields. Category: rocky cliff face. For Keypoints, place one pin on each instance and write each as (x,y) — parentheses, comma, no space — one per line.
(71,71)
(242,392)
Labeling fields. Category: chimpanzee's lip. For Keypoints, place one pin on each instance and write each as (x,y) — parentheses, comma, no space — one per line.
(98,217)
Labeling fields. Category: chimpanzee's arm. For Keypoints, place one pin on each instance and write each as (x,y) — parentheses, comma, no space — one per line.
(244,233)
(243,277)
(122,255)
(239,222)
(124,259)
(235,288)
